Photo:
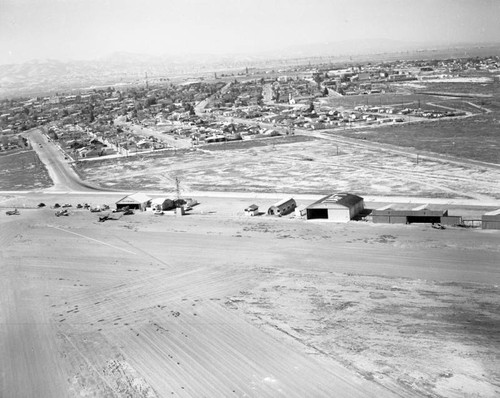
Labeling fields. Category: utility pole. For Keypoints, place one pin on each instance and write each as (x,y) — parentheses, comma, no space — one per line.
(178,187)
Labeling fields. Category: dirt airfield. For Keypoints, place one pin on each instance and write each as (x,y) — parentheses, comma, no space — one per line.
(216,304)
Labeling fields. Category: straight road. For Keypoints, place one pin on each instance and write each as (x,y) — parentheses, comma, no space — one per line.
(60,171)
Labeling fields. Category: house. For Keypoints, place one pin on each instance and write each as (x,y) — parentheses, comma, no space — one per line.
(215,138)
(283,207)
(252,210)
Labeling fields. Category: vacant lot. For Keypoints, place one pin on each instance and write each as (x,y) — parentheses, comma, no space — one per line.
(303,167)
(474,138)
(219,305)
(22,171)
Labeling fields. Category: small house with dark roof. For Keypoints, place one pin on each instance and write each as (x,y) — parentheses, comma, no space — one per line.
(339,207)
(252,210)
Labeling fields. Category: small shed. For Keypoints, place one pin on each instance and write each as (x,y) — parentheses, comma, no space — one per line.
(162,204)
(491,220)
(339,207)
(282,208)
(252,210)
(300,211)
(138,201)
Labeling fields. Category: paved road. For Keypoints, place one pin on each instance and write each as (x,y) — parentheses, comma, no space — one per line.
(67,180)
(60,171)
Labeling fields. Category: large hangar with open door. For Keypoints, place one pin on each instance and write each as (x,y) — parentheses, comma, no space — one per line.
(136,201)
(339,207)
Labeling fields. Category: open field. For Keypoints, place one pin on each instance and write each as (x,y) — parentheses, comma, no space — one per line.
(215,304)
(23,170)
(474,138)
(302,167)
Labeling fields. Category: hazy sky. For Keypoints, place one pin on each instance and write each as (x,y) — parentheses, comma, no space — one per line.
(83,29)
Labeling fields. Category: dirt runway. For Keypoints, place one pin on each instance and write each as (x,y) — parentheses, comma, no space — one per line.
(218,306)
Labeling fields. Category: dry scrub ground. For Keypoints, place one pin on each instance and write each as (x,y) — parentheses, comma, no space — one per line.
(304,167)
(431,338)
(218,305)
(23,170)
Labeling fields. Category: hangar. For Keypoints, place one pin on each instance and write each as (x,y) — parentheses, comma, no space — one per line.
(421,214)
(137,201)
(491,220)
(339,207)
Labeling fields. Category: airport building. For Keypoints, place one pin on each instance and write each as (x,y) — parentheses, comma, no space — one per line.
(283,207)
(136,201)
(340,207)
(491,220)
(396,215)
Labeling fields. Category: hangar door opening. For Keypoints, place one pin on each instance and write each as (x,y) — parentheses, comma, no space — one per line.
(134,206)
(423,219)
(317,213)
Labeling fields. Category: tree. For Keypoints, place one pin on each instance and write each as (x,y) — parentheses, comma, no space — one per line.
(150,101)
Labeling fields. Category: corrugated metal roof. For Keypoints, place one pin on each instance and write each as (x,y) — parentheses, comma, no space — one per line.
(135,198)
(493,213)
(337,199)
(283,201)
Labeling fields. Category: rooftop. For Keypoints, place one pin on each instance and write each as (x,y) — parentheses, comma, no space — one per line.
(338,199)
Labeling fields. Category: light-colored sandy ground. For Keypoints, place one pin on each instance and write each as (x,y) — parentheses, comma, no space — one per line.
(304,167)
(215,304)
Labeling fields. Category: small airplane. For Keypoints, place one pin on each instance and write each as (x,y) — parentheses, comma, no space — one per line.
(62,213)
(107,217)
(14,212)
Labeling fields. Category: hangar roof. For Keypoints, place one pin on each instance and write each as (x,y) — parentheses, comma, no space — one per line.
(336,200)
(135,198)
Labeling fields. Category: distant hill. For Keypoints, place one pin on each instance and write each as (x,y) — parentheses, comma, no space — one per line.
(41,77)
